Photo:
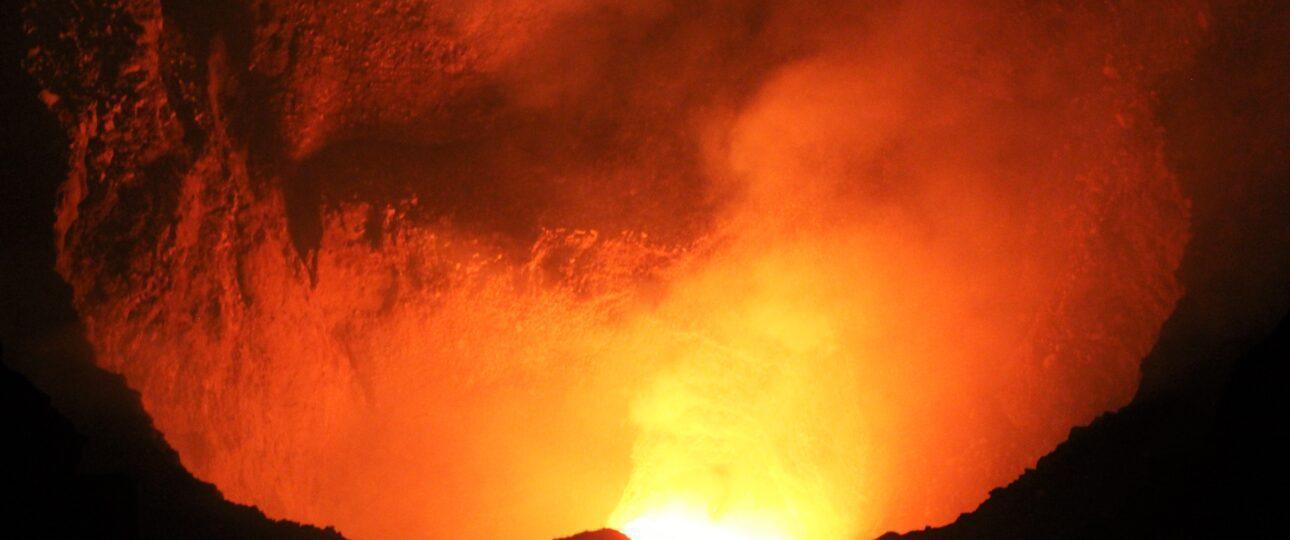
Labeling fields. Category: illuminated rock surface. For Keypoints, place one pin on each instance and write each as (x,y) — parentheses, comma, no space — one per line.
(1223,134)
(380,268)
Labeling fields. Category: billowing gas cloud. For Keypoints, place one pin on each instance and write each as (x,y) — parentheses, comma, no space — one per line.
(514,269)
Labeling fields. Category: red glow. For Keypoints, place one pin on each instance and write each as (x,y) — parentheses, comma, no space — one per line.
(814,276)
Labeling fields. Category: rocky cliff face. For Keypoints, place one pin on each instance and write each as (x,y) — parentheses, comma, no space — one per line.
(81,457)
(357,260)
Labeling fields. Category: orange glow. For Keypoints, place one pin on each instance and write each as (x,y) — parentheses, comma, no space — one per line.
(751,413)
(738,272)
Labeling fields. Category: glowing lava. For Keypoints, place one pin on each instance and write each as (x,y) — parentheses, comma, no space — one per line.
(683,523)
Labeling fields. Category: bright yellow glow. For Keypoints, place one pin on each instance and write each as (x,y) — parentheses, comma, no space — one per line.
(683,523)
(746,430)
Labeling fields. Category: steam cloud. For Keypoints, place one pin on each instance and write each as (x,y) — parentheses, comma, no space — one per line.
(511,269)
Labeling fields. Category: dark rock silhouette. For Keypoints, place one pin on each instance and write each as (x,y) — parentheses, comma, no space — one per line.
(1150,470)
(45,486)
(39,482)
(602,534)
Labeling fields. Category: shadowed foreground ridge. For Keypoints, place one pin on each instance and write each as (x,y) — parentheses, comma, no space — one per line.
(47,484)
(602,534)
(1151,471)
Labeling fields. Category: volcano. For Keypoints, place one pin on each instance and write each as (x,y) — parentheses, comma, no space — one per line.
(745,269)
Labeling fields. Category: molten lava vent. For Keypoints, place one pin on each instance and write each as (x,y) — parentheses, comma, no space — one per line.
(514,269)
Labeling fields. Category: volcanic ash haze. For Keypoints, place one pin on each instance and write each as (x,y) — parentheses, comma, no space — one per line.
(509,269)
